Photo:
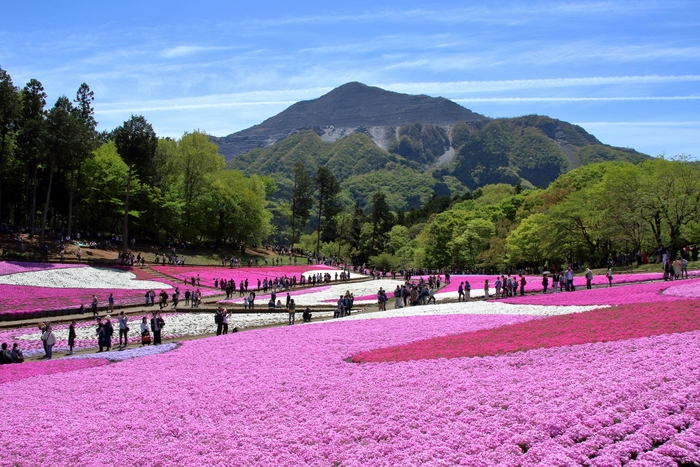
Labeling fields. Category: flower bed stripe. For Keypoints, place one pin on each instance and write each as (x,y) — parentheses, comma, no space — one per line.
(602,325)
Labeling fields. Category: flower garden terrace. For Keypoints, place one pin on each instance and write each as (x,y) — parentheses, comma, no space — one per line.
(598,377)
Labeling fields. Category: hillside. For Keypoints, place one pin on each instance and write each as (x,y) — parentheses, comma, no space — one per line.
(411,147)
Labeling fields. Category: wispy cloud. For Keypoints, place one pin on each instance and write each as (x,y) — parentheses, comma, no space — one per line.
(578,99)
(637,124)
(187,50)
(543,83)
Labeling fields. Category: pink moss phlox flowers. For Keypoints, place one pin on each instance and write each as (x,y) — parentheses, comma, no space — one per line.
(628,294)
(207,275)
(285,397)
(603,325)
(20,371)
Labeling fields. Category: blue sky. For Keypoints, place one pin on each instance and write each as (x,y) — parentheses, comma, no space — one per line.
(628,72)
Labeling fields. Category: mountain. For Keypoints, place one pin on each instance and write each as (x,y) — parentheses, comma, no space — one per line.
(350,108)
(411,147)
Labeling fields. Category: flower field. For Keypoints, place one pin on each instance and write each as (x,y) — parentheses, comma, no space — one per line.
(629,402)
(9,373)
(31,287)
(602,377)
(176,325)
(625,295)
(601,325)
(207,275)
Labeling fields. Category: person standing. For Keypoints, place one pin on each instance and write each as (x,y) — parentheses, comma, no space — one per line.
(292,309)
(589,278)
(467,291)
(123,329)
(156,326)
(486,289)
(460,292)
(145,333)
(609,275)
(93,306)
(219,320)
(225,318)
(109,332)
(50,341)
(110,302)
(100,336)
(71,337)
(522,285)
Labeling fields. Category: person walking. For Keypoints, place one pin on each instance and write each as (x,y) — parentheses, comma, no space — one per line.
(460,292)
(123,330)
(292,309)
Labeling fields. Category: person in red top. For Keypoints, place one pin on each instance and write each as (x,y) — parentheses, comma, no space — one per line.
(522,285)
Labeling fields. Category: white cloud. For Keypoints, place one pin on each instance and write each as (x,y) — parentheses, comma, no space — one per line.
(576,99)
(186,50)
(507,85)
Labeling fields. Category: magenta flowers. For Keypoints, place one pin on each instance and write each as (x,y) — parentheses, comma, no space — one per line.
(286,397)
(17,372)
(603,325)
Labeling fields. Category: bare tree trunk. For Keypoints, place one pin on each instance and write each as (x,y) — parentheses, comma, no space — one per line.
(318,237)
(2,166)
(46,205)
(125,243)
(32,211)
(70,203)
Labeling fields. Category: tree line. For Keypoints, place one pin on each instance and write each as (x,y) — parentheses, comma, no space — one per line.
(59,174)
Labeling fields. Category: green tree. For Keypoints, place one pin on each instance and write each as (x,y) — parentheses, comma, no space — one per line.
(63,128)
(524,244)
(302,200)
(85,143)
(102,198)
(382,219)
(31,139)
(197,159)
(671,196)
(136,144)
(328,189)
(9,114)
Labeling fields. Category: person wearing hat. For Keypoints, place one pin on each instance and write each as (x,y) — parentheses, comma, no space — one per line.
(109,332)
